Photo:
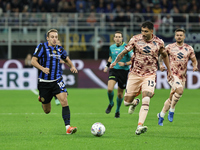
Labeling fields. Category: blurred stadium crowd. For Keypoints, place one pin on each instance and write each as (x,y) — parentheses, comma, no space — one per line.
(101,6)
(81,16)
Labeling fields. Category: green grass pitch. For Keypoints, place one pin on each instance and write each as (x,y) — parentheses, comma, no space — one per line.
(24,126)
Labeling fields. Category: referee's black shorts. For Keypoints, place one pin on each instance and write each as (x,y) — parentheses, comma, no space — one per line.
(120,76)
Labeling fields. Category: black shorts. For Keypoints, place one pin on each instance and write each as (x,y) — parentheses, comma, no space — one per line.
(49,89)
(120,76)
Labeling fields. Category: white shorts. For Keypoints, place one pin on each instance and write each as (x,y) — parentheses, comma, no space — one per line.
(176,83)
(136,83)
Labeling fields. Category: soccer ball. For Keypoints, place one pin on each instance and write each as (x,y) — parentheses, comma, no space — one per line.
(98,129)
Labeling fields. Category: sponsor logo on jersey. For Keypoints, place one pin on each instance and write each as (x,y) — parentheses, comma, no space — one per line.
(180,55)
(147,49)
(53,55)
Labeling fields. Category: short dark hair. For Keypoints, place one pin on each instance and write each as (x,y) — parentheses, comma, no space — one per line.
(119,32)
(148,25)
(179,29)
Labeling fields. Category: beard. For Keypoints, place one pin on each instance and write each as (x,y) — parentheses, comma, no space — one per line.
(179,42)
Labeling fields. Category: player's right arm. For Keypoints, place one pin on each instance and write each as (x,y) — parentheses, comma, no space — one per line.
(127,49)
(34,62)
(108,64)
(119,57)
(37,54)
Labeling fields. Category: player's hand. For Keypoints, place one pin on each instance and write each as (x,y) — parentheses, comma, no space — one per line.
(195,69)
(73,70)
(112,65)
(162,68)
(45,70)
(105,69)
(121,63)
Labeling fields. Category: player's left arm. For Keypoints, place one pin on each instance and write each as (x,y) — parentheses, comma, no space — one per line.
(69,63)
(194,64)
(160,62)
(166,61)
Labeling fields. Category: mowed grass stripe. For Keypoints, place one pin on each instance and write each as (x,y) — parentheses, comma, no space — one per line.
(24,126)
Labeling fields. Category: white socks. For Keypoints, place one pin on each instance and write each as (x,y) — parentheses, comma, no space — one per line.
(172,110)
(67,126)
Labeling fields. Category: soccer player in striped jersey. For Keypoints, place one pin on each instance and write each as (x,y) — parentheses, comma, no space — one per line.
(179,55)
(117,74)
(146,47)
(57,102)
(46,59)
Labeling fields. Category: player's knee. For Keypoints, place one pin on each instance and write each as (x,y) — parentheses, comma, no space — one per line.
(179,90)
(128,100)
(147,94)
(110,90)
(120,95)
(46,108)
(146,100)
(177,95)
(64,102)
(126,103)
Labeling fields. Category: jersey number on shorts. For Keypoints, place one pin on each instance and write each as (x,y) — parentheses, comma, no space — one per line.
(61,84)
(150,83)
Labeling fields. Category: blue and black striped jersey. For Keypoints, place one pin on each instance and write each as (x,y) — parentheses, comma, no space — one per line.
(49,57)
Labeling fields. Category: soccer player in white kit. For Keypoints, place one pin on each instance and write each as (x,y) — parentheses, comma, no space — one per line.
(146,47)
(179,53)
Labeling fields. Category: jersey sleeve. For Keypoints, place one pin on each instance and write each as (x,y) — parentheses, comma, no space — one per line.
(167,49)
(64,53)
(38,51)
(110,53)
(130,44)
(161,44)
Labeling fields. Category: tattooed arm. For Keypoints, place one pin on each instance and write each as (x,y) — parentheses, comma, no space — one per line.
(119,57)
(160,62)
